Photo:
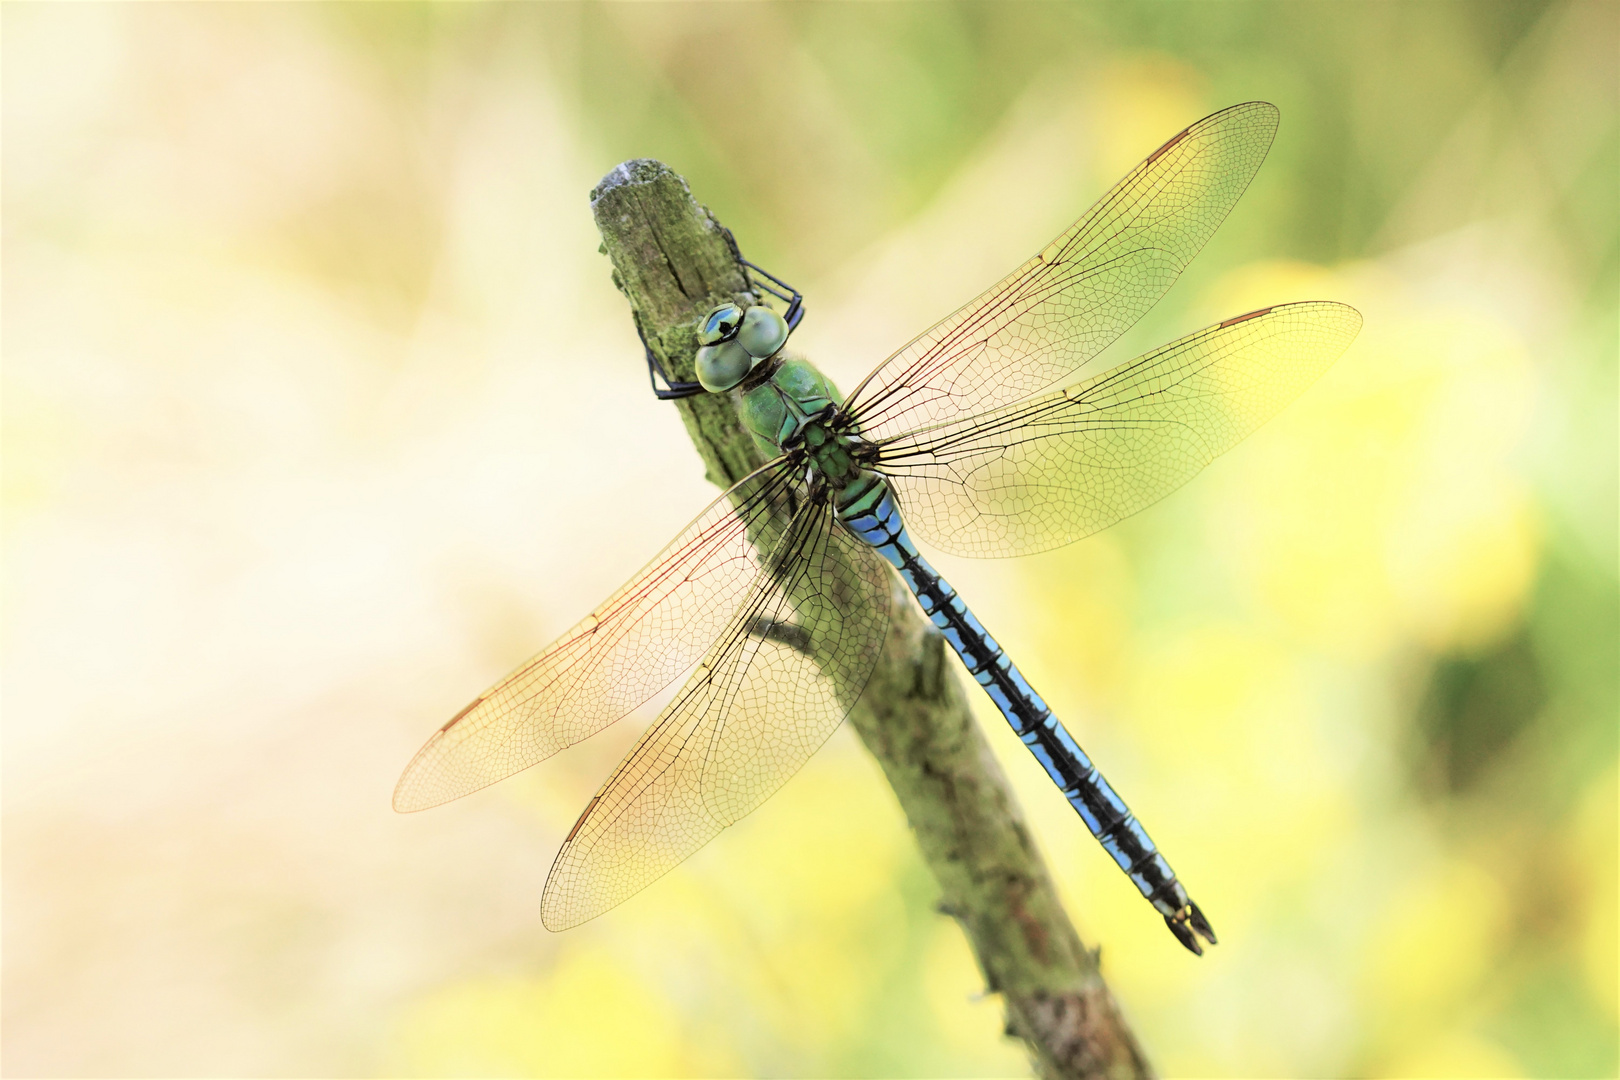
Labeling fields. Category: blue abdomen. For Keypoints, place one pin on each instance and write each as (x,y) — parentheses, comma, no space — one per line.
(869,510)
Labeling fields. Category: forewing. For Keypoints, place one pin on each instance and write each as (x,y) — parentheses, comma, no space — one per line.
(1082,291)
(776,683)
(1041,473)
(623,653)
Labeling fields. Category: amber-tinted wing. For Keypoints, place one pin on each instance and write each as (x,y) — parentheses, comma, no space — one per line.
(1081,292)
(1041,473)
(788,667)
(623,653)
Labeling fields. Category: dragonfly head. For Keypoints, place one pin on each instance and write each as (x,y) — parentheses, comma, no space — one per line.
(733,340)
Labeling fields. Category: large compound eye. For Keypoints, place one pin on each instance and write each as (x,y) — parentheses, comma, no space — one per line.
(763,331)
(721,325)
(722,366)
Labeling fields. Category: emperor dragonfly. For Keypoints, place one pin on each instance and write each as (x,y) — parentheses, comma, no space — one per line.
(778,592)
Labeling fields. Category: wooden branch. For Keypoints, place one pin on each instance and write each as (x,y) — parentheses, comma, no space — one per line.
(673,262)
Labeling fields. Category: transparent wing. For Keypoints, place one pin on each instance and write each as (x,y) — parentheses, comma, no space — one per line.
(617,657)
(772,689)
(1082,291)
(1041,473)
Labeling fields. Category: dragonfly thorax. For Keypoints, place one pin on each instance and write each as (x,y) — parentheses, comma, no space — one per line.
(795,411)
(780,411)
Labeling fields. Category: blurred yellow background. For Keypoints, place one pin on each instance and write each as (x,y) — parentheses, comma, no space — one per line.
(321,412)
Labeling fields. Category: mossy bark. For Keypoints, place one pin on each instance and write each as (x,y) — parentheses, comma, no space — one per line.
(674,262)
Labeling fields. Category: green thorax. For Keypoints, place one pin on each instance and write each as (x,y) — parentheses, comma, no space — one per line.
(789,410)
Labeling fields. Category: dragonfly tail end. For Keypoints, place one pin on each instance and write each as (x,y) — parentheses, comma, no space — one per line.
(1184,922)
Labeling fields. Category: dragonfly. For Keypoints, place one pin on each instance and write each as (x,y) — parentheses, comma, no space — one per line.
(775,600)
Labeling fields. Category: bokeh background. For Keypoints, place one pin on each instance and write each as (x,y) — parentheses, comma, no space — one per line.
(321,413)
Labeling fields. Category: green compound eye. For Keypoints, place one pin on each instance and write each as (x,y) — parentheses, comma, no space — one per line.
(763,331)
(721,325)
(722,366)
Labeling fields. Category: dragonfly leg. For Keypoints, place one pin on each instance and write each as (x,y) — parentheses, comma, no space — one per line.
(779,289)
(672,390)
